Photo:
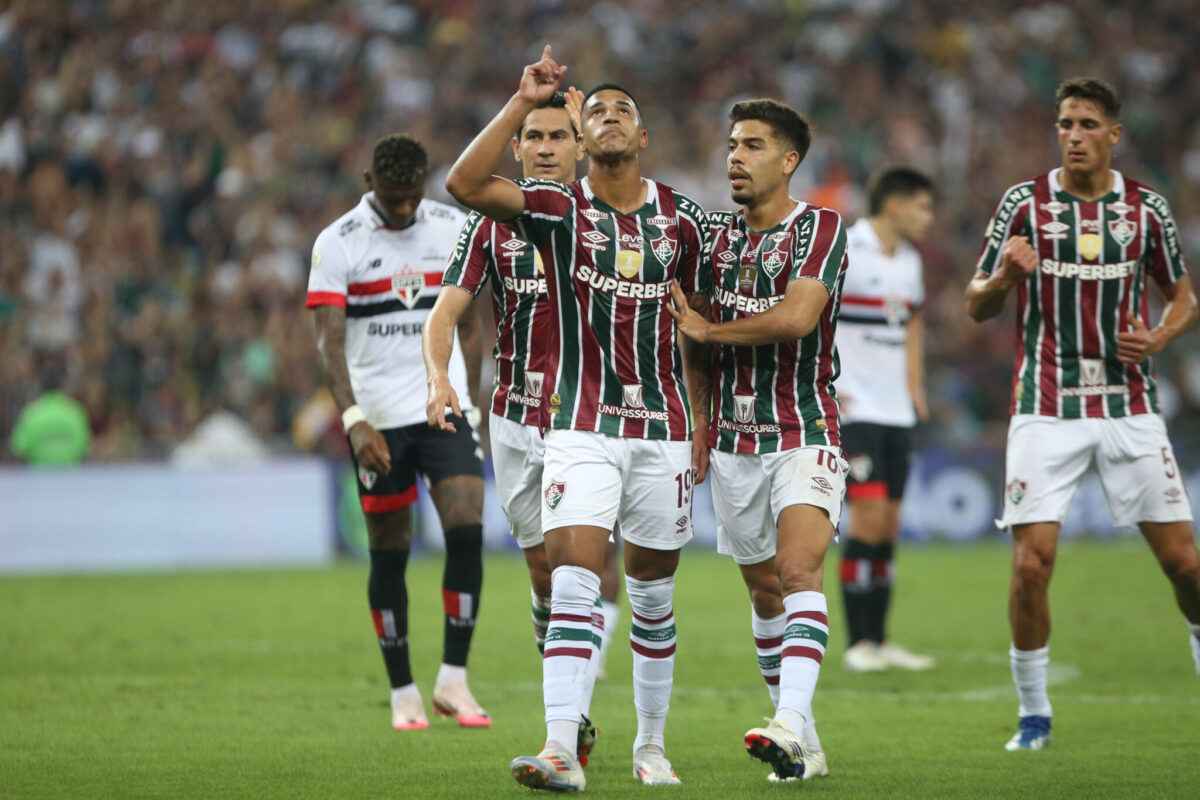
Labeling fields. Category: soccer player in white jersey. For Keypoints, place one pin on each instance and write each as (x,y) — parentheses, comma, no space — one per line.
(620,445)
(777,269)
(881,389)
(1080,245)
(376,272)
(548,147)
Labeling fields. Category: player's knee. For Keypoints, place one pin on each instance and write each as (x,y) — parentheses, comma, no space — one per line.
(390,531)
(1181,565)
(650,598)
(796,577)
(1032,567)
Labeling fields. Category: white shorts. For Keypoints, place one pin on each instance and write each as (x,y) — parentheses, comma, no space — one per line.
(750,491)
(1047,457)
(596,479)
(518,452)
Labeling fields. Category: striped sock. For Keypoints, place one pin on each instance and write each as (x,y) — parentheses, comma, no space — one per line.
(882,571)
(612,614)
(768,643)
(855,576)
(804,643)
(388,598)
(593,665)
(462,580)
(539,611)
(1029,668)
(571,642)
(652,639)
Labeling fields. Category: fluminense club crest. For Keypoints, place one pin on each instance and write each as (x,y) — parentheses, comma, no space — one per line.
(773,262)
(408,285)
(1122,231)
(1016,491)
(554,493)
(664,249)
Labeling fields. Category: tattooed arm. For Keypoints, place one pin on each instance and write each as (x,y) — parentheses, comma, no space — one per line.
(369,446)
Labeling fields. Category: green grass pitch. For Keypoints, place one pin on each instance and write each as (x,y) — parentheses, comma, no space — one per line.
(269,684)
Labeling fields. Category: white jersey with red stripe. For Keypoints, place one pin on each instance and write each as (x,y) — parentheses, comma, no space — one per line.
(387,280)
(878,299)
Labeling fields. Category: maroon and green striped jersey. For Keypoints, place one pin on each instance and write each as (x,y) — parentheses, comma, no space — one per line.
(774,397)
(612,363)
(488,250)
(1093,262)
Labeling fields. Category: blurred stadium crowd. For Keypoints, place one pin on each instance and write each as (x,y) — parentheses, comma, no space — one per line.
(165,165)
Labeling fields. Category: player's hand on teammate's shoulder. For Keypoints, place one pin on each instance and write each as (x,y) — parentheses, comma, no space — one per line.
(370,448)
(690,323)
(541,80)
(1018,259)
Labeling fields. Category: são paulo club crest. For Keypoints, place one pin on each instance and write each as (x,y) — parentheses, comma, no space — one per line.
(408,285)
(367,478)
(664,249)
(554,493)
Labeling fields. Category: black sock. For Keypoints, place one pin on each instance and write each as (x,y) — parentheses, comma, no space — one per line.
(881,589)
(856,589)
(461,583)
(388,597)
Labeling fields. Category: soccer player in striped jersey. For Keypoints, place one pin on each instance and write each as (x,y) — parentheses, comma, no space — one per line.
(881,389)
(777,269)
(375,274)
(620,444)
(547,146)
(1080,245)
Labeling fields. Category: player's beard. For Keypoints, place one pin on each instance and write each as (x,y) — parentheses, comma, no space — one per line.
(744,195)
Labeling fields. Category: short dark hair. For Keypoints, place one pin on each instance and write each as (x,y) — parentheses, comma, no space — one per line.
(600,87)
(787,124)
(400,159)
(556,100)
(1093,90)
(903,181)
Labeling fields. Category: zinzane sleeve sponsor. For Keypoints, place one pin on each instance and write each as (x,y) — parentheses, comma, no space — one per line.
(1011,219)
(547,204)
(328,277)
(1165,254)
(819,247)
(467,268)
(691,273)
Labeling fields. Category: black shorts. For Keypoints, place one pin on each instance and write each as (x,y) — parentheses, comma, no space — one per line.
(418,449)
(878,456)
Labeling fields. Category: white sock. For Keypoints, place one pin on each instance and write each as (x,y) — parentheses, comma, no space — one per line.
(408,692)
(804,641)
(652,639)
(448,673)
(612,614)
(1195,629)
(812,742)
(768,643)
(593,665)
(571,642)
(539,615)
(1029,674)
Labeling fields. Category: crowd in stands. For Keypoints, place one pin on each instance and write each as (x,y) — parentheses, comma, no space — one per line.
(165,165)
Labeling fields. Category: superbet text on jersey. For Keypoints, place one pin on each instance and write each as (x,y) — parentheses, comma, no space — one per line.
(488,250)
(612,363)
(1093,262)
(774,397)
(387,280)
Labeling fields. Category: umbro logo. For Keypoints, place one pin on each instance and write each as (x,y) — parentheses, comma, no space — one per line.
(596,237)
(726,256)
(513,248)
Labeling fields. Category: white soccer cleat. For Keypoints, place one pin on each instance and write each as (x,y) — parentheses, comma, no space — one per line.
(554,769)
(781,749)
(864,656)
(408,714)
(815,766)
(455,700)
(650,766)
(896,656)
